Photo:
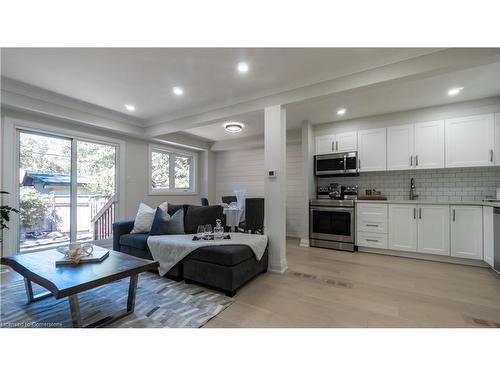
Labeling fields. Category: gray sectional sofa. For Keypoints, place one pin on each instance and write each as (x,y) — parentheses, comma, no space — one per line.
(224,268)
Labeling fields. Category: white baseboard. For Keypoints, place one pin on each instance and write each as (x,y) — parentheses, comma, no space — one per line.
(277,269)
(304,242)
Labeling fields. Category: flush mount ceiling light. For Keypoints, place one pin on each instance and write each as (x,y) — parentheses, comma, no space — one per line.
(242,67)
(130,107)
(234,127)
(341,111)
(178,90)
(455,91)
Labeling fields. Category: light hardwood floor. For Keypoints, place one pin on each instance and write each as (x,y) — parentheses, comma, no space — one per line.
(324,288)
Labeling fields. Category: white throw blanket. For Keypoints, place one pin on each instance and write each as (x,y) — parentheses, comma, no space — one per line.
(168,250)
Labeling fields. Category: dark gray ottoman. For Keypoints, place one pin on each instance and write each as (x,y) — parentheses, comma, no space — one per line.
(224,267)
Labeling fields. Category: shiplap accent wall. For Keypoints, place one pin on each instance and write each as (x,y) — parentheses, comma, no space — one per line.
(244,169)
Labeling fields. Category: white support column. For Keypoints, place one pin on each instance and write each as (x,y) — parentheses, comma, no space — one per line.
(275,187)
(207,175)
(308,175)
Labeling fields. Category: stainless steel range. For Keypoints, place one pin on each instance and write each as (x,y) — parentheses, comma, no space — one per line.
(331,221)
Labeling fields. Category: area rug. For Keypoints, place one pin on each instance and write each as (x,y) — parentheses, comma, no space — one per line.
(160,303)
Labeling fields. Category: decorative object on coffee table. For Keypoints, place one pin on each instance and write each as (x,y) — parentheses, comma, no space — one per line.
(82,253)
(39,267)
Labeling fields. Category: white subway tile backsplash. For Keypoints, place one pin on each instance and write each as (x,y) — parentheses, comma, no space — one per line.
(433,184)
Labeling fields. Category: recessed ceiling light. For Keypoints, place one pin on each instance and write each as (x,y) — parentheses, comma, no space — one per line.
(455,91)
(341,111)
(178,90)
(234,127)
(130,107)
(242,67)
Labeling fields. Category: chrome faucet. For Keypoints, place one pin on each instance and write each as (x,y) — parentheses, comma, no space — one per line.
(413,196)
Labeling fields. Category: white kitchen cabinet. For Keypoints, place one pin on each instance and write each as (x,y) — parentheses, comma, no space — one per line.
(467,232)
(403,227)
(400,143)
(346,142)
(429,145)
(371,217)
(341,142)
(367,239)
(324,144)
(470,141)
(497,139)
(488,234)
(372,150)
(433,229)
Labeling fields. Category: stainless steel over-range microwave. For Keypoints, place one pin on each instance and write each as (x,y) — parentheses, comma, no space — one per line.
(338,164)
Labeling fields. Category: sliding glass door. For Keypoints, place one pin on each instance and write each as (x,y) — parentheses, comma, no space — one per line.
(67,190)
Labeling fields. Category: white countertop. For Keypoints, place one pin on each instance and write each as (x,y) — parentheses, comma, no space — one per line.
(465,203)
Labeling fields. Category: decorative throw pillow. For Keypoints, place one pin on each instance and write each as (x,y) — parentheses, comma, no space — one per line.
(143,219)
(163,223)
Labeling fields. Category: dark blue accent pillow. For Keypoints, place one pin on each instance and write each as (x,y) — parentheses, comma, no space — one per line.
(163,223)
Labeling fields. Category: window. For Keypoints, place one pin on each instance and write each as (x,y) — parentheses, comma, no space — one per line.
(171,171)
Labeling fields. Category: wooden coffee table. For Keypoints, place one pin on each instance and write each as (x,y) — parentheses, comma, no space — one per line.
(68,281)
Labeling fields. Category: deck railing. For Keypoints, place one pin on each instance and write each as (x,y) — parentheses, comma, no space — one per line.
(102,220)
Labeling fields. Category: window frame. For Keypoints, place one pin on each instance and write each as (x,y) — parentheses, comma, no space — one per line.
(172,152)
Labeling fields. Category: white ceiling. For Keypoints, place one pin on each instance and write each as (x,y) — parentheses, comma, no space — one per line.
(478,82)
(113,77)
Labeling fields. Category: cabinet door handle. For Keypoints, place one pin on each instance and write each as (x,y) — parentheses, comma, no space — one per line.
(419,213)
(333,146)
(372,225)
(359,163)
(453,214)
(414,213)
(337,145)
(491,156)
(411,160)
(416,160)
(370,240)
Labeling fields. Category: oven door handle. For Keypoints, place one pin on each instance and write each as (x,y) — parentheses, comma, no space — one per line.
(332,209)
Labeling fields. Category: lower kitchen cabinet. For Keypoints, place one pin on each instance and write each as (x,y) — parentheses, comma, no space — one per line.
(367,239)
(403,227)
(467,232)
(488,235)
(433,229)
(421,228)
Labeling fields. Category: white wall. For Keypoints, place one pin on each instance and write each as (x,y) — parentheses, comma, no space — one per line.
(244,169)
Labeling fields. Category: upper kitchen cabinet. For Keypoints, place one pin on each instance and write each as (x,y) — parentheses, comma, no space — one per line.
(470,141)
(429,145)
(324,144)
(346,142)
(372,150)
(400,147)
(341,142)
